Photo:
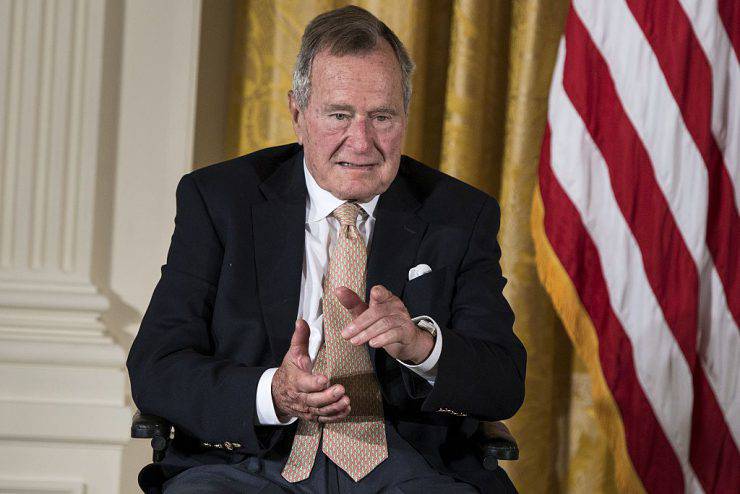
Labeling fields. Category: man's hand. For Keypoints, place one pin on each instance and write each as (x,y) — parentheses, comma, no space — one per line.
(296,392)
(385,323)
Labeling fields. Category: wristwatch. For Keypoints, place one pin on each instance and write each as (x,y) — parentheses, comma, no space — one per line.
(427,326)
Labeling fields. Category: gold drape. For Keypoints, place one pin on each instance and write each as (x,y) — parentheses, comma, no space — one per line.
(478,113)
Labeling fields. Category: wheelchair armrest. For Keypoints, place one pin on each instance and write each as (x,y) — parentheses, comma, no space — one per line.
(146,426)
(495,442)
(150,426)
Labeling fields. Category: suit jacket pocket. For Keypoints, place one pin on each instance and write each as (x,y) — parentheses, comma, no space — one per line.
(428,295)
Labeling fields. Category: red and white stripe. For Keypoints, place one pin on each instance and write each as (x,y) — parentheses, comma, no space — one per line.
(639,181)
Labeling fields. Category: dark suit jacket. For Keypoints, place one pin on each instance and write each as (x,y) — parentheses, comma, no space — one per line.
(224,311)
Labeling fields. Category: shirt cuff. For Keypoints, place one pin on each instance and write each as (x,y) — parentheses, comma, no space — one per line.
(428,368)
(266,414)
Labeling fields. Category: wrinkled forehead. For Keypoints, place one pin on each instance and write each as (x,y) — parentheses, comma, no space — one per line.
(378,67)
(336,53)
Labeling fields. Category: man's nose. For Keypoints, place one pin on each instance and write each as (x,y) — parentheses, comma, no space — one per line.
(360,135)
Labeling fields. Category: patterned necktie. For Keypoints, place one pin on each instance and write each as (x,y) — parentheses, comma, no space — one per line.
(357,443)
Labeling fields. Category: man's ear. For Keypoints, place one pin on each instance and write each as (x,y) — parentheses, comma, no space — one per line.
(296,117)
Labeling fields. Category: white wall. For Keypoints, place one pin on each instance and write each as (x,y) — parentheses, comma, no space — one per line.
(156,121)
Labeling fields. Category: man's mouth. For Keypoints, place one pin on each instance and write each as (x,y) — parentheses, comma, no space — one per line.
(347,164)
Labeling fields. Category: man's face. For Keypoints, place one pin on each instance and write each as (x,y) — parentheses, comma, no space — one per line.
(353,126)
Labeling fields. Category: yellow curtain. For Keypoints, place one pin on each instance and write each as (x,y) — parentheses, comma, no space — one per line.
(478,113)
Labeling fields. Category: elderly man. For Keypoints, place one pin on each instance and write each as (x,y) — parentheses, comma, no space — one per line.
(331,317)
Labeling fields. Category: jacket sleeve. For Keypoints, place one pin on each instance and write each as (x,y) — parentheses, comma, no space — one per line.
(172,367)
(481,368)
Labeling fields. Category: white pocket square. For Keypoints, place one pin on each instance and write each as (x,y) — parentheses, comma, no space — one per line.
(418,270)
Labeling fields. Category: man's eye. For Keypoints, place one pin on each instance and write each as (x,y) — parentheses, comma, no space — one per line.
(339,116)
(382,118)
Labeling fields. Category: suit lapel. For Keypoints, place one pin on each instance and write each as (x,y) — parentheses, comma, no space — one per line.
(396,237)
(279,250)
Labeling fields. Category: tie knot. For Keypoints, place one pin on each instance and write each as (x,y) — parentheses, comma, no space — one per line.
(347,213)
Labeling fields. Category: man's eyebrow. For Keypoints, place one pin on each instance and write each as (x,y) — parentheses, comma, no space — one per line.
(385,109)
(351,109)
(339,107)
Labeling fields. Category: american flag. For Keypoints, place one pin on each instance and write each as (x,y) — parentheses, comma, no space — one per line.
(636,227)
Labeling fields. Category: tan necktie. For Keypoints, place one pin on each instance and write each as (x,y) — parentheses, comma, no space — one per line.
(356,444)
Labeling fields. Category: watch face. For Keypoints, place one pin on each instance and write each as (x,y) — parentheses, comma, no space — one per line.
(428,327)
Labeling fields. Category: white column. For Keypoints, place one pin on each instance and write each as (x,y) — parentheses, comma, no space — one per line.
(97,112)
(63,416)
(51,72)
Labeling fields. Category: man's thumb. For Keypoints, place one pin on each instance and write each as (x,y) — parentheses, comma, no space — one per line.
(300,335)
(379,294)
(350,300)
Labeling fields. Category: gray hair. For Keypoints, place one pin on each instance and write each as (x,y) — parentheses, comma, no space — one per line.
(346,31)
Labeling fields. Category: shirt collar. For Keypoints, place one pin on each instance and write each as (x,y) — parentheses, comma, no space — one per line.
(321,202)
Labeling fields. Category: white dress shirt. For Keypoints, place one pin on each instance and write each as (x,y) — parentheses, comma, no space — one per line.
(321,230)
